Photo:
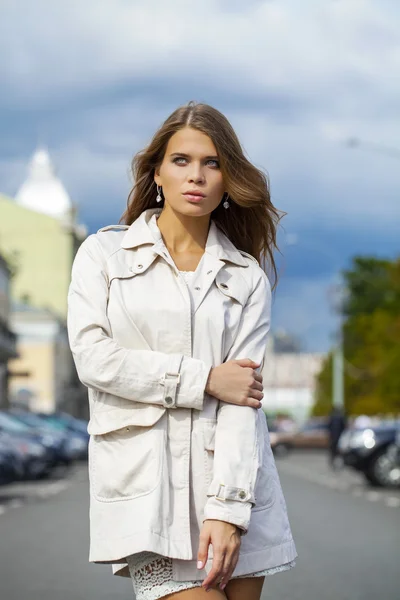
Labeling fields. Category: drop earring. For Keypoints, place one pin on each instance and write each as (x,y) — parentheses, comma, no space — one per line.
(226,203)
(158,199)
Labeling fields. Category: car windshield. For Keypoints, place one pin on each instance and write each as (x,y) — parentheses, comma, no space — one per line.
(314,427)
(11,424)
(55,423)
(33,420)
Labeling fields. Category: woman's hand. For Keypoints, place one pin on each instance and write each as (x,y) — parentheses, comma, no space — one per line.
(236,382)
(225,540)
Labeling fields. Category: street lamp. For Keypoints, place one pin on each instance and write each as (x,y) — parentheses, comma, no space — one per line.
(338,297)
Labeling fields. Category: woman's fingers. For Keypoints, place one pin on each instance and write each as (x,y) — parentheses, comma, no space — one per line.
(230,563)
(258,377)
(253,403)
(257,386)
(215,574)
(202,554)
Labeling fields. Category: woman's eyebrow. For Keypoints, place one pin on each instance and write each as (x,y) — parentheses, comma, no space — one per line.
(188,156)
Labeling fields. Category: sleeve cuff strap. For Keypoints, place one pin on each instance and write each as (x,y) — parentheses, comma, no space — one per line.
(171,380)
(226,492)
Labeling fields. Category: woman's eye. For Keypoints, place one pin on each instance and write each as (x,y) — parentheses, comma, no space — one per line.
(213,163)
(182,160)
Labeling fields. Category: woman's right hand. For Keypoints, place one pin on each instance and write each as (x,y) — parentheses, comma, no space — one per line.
(236,382)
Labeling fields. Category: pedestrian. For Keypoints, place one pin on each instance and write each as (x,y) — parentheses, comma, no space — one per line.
(336,426)
(168,316)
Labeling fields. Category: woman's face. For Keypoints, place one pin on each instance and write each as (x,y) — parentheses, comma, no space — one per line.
(191,164)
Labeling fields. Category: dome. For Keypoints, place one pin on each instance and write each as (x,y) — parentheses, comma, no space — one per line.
(43,191)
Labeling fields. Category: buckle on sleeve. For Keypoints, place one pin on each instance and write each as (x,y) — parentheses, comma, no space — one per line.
(169,376)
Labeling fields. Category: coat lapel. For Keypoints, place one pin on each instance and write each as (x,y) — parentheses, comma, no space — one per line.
(143,242)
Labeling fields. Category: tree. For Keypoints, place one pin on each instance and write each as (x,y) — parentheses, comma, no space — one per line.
(371,340)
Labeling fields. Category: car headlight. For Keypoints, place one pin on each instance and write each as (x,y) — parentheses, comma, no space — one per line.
(344,441)
(48,441)
(36,450)
(362,439)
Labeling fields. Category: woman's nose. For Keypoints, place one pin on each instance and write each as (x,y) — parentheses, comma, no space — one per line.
(196,174)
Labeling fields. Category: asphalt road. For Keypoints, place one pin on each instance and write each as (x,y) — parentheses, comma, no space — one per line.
(348,541)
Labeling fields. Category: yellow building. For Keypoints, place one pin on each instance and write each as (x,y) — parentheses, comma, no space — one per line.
(44,377)
(39,236)
(7,337)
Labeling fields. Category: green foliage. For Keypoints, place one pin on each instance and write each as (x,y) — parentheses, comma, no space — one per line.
(371,338)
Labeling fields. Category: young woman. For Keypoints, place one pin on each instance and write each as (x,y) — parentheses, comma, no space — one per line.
(168,322)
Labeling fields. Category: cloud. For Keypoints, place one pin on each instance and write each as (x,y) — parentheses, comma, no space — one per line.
(58,51)
(303,306)
(94,80)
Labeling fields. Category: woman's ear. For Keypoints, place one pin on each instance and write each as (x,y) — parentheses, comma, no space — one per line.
(157,177)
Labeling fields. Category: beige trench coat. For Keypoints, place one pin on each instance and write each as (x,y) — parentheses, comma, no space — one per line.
(163,454)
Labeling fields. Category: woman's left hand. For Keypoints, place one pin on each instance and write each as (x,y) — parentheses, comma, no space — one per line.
(225,540)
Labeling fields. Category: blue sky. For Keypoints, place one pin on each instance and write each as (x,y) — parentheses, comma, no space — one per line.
(93,80)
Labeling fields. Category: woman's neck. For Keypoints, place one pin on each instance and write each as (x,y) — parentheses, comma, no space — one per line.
(183,234)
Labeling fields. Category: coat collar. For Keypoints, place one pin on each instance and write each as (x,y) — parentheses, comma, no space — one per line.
(144,230)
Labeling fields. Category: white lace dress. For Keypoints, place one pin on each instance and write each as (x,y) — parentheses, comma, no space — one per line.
(152,575)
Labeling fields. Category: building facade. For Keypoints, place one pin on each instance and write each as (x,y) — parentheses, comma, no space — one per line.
(44,354)
(8,347)
(289,380)
(40,234)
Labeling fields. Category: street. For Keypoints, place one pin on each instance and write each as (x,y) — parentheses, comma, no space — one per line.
(347,537)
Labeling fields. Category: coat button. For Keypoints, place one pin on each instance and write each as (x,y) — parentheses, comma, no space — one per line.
(140,266)
(242,494)
(197,288)
(168,400)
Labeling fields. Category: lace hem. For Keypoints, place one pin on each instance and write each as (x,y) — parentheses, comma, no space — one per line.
(151,576)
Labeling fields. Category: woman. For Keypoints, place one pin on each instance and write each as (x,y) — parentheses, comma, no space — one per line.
(168,320)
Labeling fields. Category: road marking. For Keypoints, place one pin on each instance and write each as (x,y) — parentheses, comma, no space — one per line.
(373,496)
(33,493)
(392,501)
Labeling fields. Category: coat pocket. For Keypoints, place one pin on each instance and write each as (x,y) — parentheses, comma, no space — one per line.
(209,428)
(126,463)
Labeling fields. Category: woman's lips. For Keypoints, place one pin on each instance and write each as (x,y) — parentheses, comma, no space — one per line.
(194,197)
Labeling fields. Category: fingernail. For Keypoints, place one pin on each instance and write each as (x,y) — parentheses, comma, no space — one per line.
(199,564)
(222,586)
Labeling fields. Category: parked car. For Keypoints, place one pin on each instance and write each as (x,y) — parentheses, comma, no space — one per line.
(40,447)
(375,451)
(66,447)
(26,459)
(11,466)
(76,430)
(314,434)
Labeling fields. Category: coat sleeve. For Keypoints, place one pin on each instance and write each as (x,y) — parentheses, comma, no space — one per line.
(236,454)
(140,375)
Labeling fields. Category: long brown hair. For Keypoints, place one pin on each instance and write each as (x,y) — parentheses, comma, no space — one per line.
(251,221)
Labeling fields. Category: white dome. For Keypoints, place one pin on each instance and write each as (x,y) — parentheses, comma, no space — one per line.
(43,191)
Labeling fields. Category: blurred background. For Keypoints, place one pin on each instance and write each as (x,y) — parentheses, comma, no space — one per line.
(313,91)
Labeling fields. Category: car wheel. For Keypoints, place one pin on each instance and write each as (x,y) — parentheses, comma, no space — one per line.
(281,450)
(384,470)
